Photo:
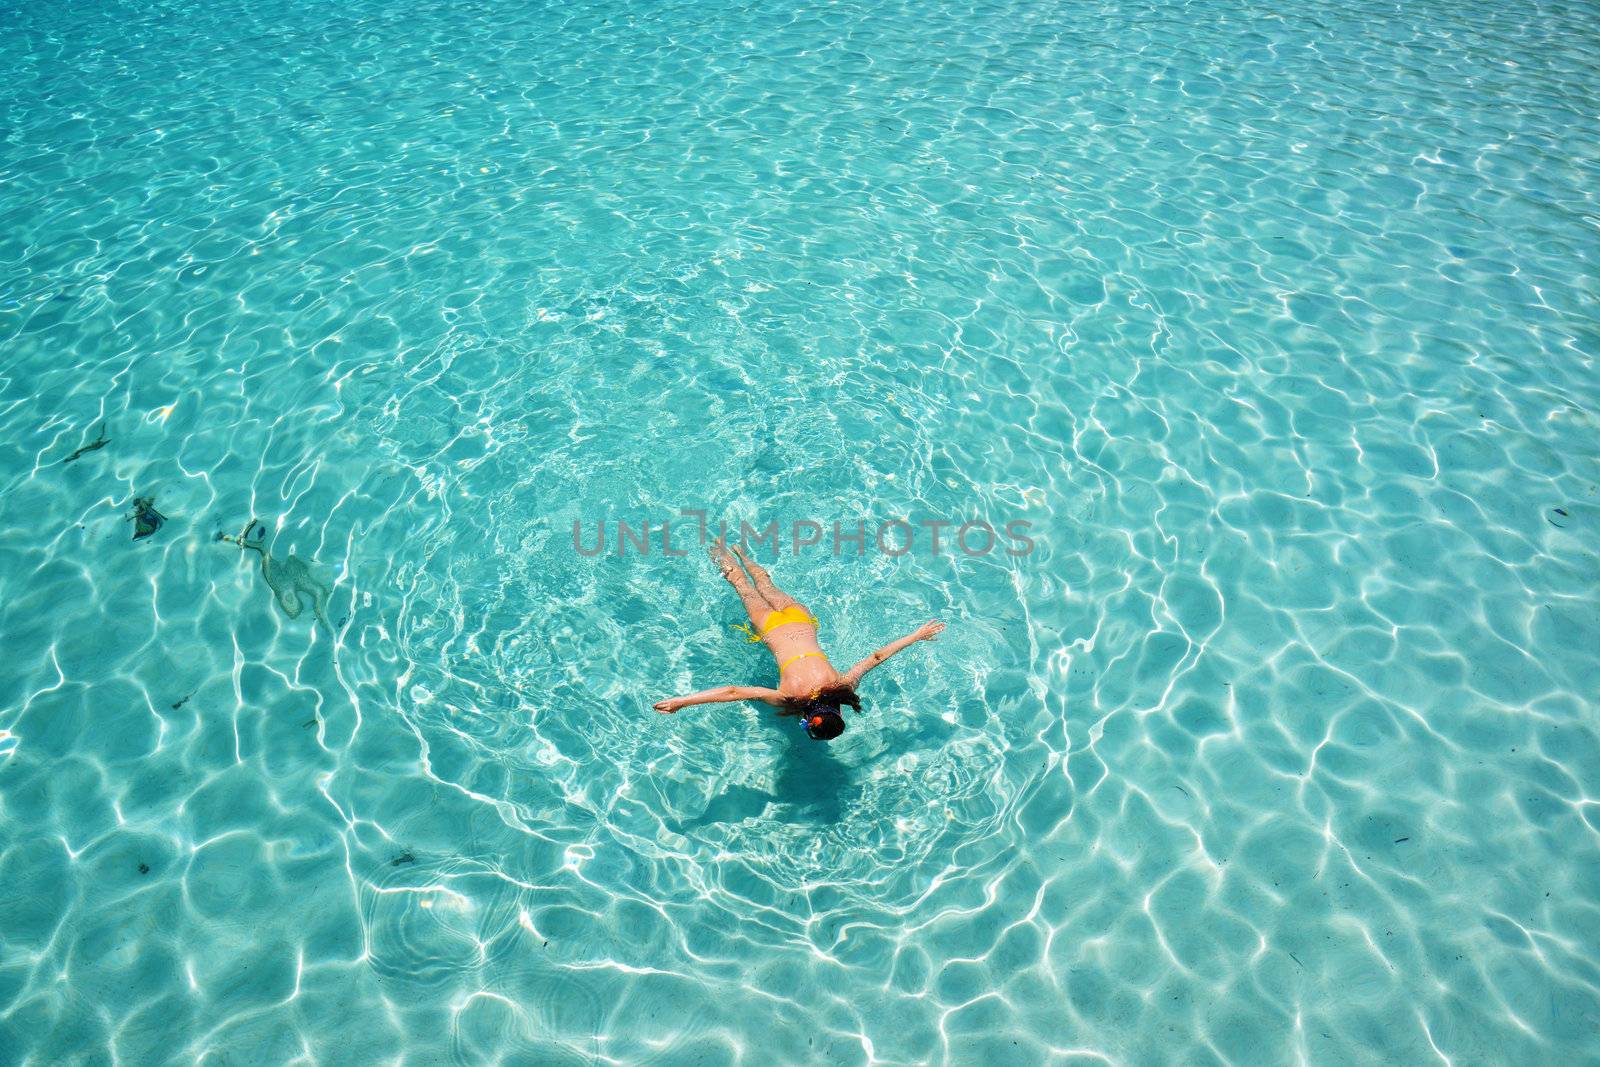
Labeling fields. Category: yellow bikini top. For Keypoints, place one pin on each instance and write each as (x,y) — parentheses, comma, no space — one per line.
(785,664)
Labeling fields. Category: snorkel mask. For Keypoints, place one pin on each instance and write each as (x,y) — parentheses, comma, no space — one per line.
(822,723)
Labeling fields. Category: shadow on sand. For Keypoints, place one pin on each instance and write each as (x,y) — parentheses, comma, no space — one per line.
(812,788)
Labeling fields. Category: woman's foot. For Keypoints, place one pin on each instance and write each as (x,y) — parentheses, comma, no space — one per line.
(724,561)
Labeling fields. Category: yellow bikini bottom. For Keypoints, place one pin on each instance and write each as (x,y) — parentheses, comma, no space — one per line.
(782,617)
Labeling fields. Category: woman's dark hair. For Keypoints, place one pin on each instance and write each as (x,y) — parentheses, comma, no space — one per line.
(833,698)
(837,696)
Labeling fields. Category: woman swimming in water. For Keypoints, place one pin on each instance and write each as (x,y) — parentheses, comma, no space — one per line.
(808,685)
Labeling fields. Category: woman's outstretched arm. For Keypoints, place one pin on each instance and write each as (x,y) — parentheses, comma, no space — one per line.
(926,632)
(722,694)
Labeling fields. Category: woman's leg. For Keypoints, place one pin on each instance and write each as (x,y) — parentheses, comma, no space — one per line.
(755,605)
(763,582)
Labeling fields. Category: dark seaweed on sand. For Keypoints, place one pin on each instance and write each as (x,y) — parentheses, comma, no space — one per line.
(97,443)
(291,579)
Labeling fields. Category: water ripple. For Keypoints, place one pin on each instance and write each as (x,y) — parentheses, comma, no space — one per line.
(1277,324)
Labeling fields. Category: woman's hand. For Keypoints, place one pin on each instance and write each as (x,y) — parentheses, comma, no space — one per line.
(667,707)
(929,630)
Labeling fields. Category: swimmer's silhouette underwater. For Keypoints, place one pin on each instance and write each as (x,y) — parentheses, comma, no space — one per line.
(810,788)
(808,685)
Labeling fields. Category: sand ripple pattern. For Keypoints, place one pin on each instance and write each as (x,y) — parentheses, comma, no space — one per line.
(1279,324)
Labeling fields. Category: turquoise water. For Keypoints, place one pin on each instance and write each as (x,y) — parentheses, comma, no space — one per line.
(1278,322)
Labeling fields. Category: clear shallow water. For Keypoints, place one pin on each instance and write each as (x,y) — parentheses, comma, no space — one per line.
(1279,323)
